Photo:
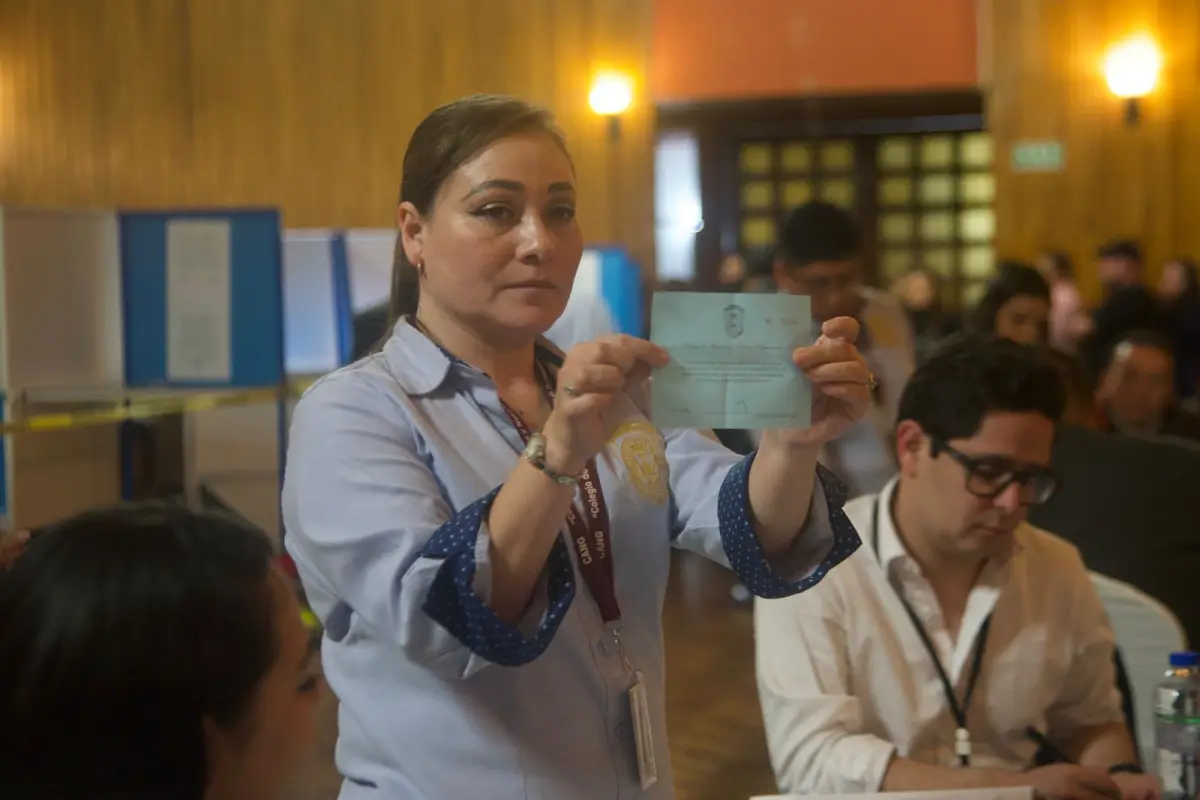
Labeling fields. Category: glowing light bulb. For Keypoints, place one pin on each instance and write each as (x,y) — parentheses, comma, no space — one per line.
(611,94)
(1131,68)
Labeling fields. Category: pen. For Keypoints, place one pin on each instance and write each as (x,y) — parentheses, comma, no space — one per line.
(1039,738)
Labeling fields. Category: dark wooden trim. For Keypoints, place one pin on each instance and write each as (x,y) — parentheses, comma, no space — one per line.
(818,114)
(721,127)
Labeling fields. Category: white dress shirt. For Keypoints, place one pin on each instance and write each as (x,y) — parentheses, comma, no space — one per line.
(846,682)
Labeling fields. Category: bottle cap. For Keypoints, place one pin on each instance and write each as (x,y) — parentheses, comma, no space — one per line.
(1185,659)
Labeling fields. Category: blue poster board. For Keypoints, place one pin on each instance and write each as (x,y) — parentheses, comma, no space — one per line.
(343,310)
(621,287)
(256,297)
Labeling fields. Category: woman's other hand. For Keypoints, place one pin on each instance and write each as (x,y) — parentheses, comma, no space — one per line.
(591,376)
(841,384)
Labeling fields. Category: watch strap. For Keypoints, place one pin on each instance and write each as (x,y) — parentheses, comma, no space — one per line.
(535,454)
(1132,769)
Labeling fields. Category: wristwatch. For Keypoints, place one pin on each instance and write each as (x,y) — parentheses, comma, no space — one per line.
(535,454)
(1131,769)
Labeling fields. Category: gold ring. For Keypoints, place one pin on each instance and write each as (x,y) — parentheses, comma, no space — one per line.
(872,384)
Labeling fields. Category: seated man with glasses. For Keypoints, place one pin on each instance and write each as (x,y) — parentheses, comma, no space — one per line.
(959,641)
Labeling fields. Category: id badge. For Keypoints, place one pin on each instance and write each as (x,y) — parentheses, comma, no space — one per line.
(643,733)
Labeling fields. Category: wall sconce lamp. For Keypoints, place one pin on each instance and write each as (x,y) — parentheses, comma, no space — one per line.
(1131,70)
(611,96)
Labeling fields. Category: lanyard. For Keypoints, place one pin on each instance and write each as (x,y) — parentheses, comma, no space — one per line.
(590,537)
(962,736)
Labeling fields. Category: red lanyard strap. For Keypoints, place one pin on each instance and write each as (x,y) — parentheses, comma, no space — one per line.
(589,531)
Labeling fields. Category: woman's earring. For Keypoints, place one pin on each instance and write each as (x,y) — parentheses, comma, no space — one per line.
(421,269)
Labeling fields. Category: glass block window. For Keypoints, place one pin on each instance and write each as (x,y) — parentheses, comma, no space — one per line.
(776,176)
(935,193)
(923,199)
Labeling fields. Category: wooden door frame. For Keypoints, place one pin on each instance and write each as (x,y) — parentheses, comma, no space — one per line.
(720,127)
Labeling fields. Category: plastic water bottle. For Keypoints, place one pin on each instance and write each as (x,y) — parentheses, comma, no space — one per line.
(1177,728)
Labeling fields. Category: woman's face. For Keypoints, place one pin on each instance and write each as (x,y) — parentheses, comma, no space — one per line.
(1023,319)
(259,755)
(1172,281)
(501,246)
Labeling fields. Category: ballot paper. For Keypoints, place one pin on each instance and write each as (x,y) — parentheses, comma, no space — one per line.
(956,794)
(731,360)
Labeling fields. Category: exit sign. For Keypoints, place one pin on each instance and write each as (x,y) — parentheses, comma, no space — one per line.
(1045,155)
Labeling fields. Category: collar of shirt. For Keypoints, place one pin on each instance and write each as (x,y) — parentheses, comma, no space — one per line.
(421,366)
(906,578)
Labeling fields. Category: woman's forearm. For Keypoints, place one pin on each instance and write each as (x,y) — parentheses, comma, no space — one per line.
(524,521)
(782,479)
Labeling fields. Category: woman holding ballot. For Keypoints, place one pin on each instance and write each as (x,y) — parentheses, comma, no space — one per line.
(483,523)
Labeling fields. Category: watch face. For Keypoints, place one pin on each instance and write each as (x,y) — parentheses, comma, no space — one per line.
(535,450)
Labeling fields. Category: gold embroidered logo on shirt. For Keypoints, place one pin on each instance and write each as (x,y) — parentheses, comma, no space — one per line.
(644,455)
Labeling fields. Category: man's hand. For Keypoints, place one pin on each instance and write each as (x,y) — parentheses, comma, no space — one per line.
(1071,782)
(1137,787)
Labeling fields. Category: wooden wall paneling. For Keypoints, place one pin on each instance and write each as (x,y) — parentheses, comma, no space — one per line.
(1047,83)
(302,104)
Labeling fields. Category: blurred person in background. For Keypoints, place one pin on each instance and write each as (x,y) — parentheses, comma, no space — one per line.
(1127,304)
(1070,321)
(920,292)
(1079,386)
(151,652)
(1179,293)
(1015,306)
(760,268)
(484,523)
(1137,389)
(819,255)
(926,660)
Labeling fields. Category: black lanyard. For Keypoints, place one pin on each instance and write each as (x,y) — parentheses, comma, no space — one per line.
(962,736)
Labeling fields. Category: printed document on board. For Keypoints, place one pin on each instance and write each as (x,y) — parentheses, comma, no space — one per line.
(199,337)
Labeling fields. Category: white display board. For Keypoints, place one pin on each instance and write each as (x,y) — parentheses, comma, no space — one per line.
(309,302)
(61,335)
(369,256)
(62,324)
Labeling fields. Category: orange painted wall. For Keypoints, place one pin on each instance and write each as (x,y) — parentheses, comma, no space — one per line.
(741,49)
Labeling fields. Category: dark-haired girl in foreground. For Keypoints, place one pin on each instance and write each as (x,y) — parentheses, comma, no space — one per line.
(151,652)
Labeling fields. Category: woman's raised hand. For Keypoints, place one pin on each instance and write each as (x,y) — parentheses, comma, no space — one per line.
(591,377)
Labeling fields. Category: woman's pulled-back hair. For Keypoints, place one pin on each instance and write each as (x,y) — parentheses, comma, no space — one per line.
(445,140)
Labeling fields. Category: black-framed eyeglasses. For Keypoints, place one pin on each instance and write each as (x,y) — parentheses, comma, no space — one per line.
(987,476)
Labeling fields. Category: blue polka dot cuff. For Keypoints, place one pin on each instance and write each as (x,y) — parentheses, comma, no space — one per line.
(745,552)
(454,604)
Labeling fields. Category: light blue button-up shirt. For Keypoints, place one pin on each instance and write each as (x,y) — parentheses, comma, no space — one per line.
(392,464)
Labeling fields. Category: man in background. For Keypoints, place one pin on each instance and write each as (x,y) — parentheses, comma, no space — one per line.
(819,255)
(1137,390)
(1127,305)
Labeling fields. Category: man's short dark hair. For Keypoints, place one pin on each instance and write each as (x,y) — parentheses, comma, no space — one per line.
(1153,340)
(818,231)
(972,375)
(1121,248)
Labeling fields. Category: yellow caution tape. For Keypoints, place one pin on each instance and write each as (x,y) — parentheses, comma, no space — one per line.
(310,620)
(146,408)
